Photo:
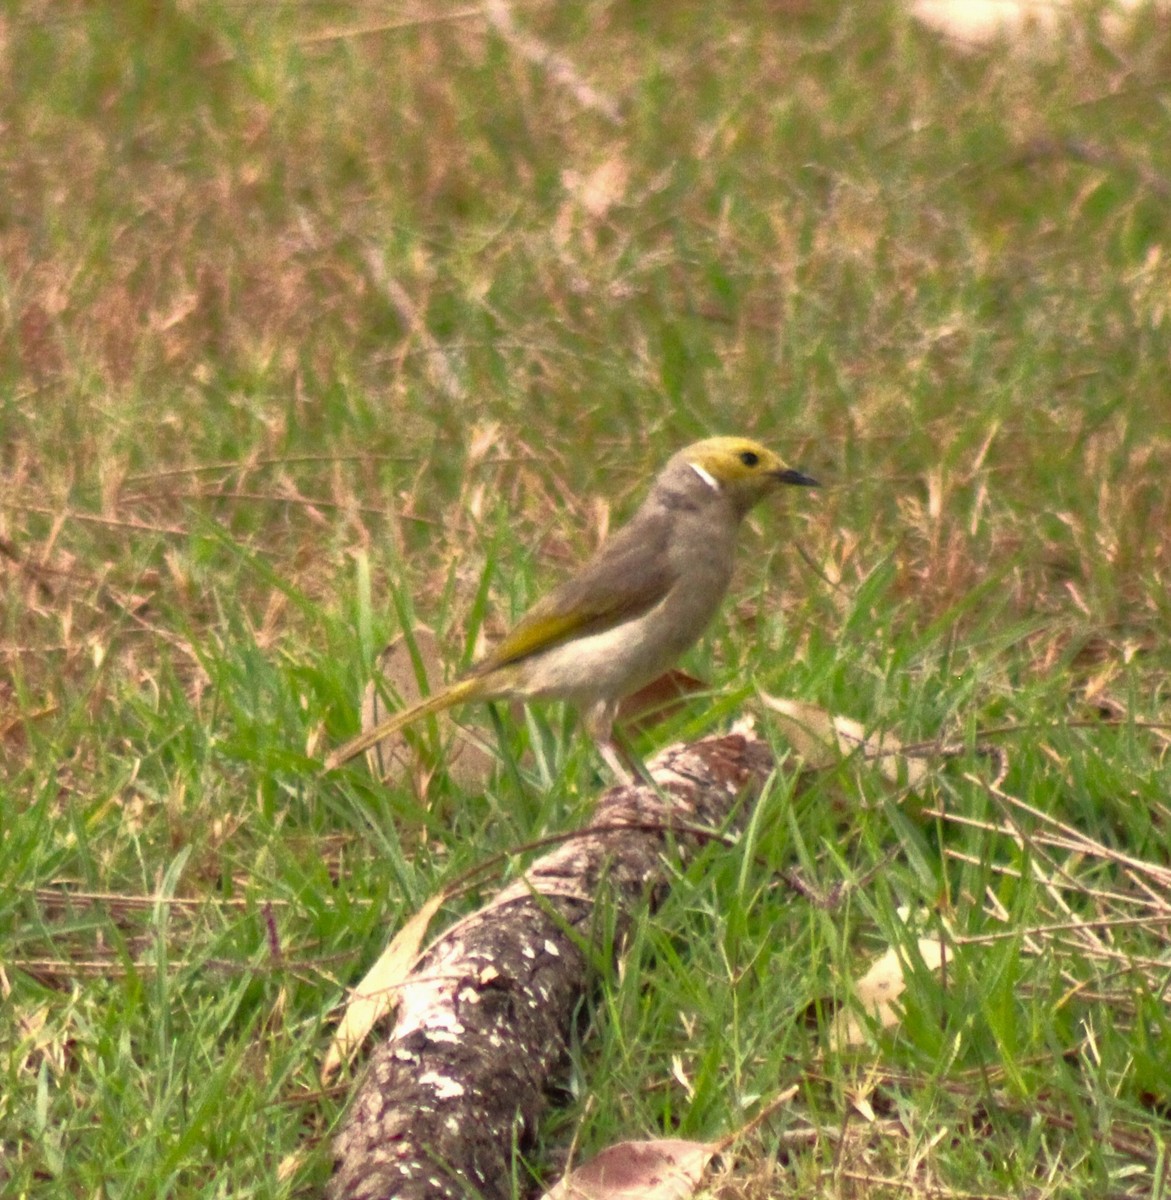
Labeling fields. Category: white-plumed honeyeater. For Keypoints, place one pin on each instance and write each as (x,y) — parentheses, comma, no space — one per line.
(628,613)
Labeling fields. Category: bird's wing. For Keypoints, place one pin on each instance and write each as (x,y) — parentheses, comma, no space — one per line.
(628,576)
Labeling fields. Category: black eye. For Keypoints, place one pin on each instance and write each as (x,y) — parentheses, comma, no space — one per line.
(749,458)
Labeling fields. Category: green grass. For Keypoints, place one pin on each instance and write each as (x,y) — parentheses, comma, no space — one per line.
(292,324)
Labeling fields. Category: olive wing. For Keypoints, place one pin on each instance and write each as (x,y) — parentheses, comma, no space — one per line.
(627,577)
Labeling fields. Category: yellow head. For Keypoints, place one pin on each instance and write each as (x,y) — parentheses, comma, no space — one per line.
(742,469)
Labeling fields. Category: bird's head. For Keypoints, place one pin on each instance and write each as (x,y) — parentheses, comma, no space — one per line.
(741,469)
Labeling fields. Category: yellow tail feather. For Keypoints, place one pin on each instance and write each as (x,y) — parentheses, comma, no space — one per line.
(457,693)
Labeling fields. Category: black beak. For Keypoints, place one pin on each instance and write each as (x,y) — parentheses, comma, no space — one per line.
(796,477)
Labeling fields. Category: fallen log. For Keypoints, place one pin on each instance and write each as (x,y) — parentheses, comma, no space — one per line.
(484,1019)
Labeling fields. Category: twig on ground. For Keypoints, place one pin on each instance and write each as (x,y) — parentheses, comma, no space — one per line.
(555,65)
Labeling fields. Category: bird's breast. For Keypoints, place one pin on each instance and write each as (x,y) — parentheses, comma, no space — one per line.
(617,661)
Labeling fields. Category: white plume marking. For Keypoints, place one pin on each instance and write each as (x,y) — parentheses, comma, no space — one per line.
(706,476)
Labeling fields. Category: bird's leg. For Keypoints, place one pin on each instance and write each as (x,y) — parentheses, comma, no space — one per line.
(631,757)
(616,753)
(609,752)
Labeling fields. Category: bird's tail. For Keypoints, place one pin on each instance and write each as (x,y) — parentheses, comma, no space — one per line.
(457,693)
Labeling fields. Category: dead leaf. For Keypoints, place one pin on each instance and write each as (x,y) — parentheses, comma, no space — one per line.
(1035,23)
(598,191)
(663,1169)
(879,989)
(661,698)
(377,995)
(395,759)
(680,1074)
(290,1165)
(823,740)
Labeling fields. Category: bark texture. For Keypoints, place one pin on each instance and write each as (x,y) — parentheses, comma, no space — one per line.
(484,1019)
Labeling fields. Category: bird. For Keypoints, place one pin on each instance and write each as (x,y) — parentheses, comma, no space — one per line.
(629,612)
